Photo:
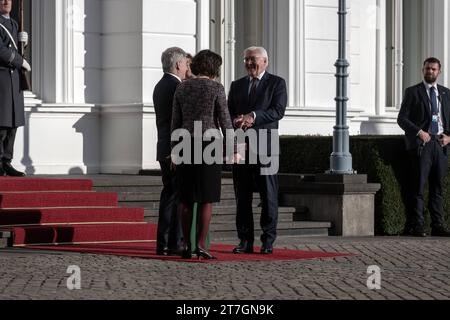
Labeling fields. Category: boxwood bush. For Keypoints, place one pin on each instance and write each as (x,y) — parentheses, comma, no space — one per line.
(382,158)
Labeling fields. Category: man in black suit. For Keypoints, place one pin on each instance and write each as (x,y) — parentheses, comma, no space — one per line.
(169,227)
(257,102)
(425,118)
(12,113)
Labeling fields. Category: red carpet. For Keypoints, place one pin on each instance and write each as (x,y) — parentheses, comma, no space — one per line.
(221,251)
(66,234)
(21,217)
(66,215)
(56,199)
(67,211)
(8,184)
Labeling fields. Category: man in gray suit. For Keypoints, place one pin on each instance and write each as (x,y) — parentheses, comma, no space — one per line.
(12,114)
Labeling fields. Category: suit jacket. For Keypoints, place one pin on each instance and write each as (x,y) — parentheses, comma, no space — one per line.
(415,113)
(12,113)
(163,101)
(270,106)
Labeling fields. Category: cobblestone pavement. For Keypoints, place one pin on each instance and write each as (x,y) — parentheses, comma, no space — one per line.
(410,269)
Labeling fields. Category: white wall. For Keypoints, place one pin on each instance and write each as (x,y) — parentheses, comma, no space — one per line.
(132,51)
(62,133)
(96,63)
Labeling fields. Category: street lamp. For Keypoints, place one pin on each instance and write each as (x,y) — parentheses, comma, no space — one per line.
(341,159)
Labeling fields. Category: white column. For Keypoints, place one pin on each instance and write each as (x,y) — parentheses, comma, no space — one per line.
(380,105)
(203,24)
(297,53)
(230,44)
(436,33)
(276,25)
(398,54)
(53,76)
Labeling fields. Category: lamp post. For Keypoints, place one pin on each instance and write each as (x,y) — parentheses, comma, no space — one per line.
(341,159)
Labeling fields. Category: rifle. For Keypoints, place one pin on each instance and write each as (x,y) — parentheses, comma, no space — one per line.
(24,81)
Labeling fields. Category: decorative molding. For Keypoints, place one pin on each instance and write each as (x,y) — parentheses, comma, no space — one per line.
(436,33)
(203,18)
(297,58)
(230,43)
(380,96)
(398,55)
(53,50)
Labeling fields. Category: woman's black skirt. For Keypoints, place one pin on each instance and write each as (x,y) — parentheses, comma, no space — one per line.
(199,183)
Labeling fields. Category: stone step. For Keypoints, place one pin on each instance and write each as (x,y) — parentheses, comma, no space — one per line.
(154,205)
(231,218)
(124,189)
(133,181)
(138,196)
(147,189)
(227,235)
(152,196)
(303,228)
(231,211)
(231,226)
(220,218)
(227,230)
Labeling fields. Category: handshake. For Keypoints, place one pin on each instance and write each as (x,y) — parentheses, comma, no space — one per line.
(244,122)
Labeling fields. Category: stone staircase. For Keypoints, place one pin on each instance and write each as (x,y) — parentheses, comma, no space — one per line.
(144,191)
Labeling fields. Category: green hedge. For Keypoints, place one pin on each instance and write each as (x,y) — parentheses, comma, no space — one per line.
(382,158)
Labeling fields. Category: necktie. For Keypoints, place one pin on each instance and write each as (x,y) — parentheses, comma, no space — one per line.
(252,96)
(434,112)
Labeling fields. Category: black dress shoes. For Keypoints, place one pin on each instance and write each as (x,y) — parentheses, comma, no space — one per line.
(414,232)
(418,233)
(162,251)
(265,249)
(168,252)
(440,232)
(10,171)
(186,253)
(2,172)
(243,247)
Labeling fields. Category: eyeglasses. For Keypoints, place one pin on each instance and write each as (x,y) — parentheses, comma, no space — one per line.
(252,59)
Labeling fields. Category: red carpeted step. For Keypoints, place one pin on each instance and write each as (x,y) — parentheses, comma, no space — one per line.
(57,199)
(8,184)
(65,234)
(69,215)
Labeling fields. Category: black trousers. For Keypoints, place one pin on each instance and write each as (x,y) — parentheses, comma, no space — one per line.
(169,224)
(429,163)
(245,177)
(7,138)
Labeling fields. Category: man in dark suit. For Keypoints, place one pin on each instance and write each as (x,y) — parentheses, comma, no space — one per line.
(425,118)
(12,113)
(257,102)
(169,227)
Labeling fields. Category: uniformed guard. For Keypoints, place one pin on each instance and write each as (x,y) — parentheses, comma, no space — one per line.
(12,112)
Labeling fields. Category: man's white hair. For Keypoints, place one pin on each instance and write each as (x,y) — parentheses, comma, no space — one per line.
(171,57)
(260,50)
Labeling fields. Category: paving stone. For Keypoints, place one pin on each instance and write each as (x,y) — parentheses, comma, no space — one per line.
(410,269)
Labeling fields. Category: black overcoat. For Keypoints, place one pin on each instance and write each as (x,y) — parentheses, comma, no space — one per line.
(12,113)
